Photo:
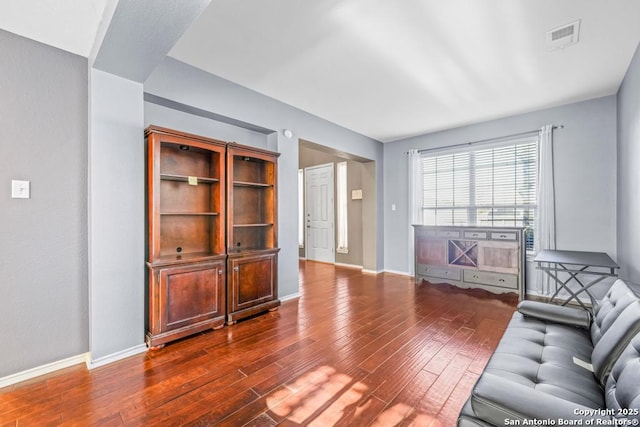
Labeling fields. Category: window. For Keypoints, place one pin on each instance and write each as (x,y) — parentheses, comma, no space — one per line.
(300,208)
(341,208)
(489,186)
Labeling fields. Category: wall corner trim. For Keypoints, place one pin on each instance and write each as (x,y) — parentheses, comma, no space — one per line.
(44,369)
(114,357)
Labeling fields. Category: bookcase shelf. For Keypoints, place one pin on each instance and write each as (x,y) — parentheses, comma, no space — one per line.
(190,213)
(251,184)
(185,178)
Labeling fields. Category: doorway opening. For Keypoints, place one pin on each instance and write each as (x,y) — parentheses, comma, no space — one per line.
(356,211)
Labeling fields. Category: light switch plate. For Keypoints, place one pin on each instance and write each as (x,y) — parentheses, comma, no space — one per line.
(356,194)
(20,189)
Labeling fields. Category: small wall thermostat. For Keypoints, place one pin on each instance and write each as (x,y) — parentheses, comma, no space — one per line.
(20,189)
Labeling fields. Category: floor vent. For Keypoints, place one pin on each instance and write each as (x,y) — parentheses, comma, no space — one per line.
(564,36)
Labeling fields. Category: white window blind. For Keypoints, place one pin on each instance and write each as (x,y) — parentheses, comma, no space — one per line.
(487,185)
(341,187)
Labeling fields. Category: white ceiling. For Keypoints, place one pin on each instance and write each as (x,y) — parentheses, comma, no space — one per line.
(385,69)
(70,25)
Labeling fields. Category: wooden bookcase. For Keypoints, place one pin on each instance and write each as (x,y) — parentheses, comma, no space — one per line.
(252,245)
(186,249)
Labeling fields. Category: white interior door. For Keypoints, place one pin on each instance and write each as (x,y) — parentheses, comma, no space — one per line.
(320,213)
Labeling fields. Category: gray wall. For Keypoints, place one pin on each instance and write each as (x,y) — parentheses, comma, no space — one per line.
(174,119)
(186,85)
(584,167)
(629,172)
(43,139)
(116,215)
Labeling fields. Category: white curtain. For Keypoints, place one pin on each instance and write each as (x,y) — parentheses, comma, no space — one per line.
(415,200)
(545,227)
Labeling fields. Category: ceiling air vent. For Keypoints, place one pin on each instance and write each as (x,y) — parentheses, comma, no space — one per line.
(560,37)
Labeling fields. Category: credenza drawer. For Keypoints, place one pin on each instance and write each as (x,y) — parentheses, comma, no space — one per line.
(489,278)
(475,234)
(438,272)
(504,236)
(448,233)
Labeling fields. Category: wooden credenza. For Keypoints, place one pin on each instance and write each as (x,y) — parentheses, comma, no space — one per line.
(489,258)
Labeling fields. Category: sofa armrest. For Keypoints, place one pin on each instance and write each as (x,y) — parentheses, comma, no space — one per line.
(556,313)
(499,401)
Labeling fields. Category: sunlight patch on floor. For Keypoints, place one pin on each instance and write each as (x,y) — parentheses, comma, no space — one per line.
(324,397)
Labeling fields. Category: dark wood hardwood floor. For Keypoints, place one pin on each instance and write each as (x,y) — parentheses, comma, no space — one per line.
(355,350)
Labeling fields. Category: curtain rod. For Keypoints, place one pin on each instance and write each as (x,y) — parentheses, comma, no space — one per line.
(480,141)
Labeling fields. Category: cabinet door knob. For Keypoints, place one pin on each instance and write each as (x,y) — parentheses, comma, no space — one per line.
(220,271)
(236,268)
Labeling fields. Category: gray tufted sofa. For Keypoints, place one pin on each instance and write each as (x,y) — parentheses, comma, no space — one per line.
(556,365)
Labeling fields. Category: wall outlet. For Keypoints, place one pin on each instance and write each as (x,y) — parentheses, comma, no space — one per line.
(20,189)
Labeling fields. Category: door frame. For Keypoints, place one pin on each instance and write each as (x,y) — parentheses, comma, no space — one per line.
(331,216)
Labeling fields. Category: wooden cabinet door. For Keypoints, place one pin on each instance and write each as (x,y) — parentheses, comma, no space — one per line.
(191,294)
(252,282)
(431,251)
(186,299)
(499,256)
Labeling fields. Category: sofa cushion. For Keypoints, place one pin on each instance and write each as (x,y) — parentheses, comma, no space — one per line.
(540,355)
(499,401)
(617,298)
(614,340)
(623,385)
(616,319)
(533,368)
(468,419)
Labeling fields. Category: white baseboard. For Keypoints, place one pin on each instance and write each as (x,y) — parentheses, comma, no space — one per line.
(44,369)
(402,273)
(84,358)
(340,264)
(114,357)
(290,297)
(364,270)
